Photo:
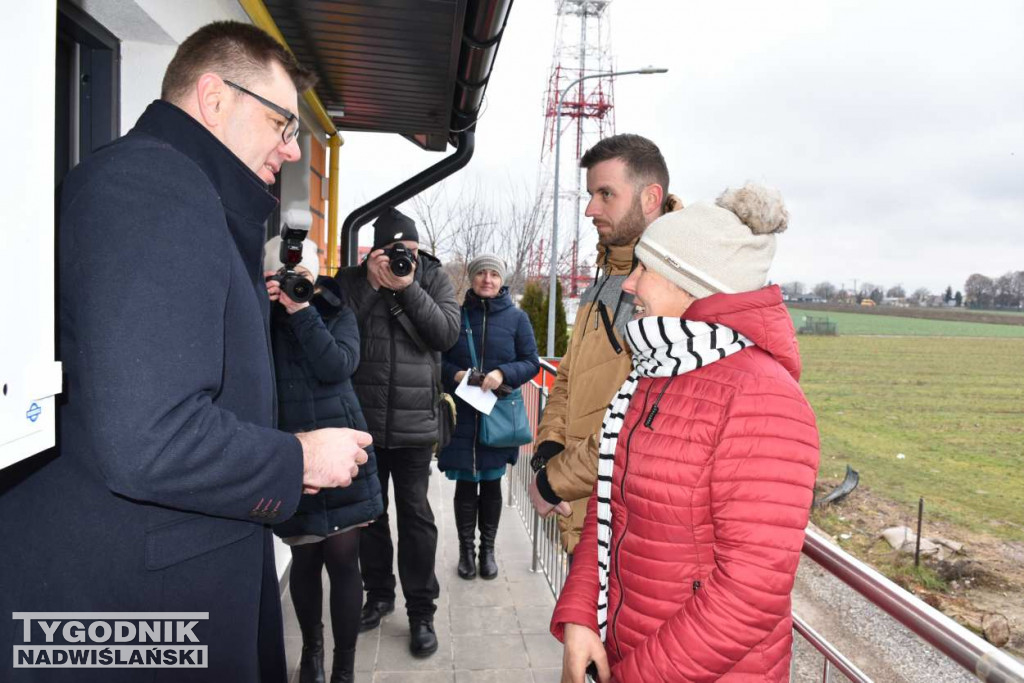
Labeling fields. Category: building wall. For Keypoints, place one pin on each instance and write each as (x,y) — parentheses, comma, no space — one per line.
(28,375)
(317,194)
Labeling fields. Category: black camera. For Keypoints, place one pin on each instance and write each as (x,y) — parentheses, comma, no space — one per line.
(401,260)
(298,288)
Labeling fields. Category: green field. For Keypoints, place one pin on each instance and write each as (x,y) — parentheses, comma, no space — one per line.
(953,406)
(854,323)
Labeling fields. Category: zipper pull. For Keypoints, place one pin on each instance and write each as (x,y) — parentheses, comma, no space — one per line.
(647,423)
(696,586)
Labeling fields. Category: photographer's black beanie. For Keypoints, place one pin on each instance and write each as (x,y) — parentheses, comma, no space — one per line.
(391,226)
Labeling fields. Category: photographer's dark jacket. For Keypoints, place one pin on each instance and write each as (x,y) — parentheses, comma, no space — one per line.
(503,340)
(396,381)
(316,350)
(168,466)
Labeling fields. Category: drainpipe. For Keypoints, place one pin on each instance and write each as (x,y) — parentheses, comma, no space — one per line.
(408,189)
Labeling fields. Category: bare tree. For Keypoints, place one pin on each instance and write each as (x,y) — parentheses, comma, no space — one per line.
(826,290)
(896,292)
(793,289)
(474,224)
(521,223)
(435,216)
(920,296)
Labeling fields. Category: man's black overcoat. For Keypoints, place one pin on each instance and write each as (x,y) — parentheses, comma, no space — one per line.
(167,466)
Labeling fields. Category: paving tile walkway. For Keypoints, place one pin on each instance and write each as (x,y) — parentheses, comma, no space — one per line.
(488,631)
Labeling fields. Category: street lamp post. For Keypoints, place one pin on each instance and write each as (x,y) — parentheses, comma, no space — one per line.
(554,227)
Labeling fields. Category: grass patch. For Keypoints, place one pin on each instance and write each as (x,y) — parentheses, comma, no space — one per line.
(953,406)
(867,324)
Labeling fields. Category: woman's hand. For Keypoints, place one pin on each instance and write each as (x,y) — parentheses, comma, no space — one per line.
(273,286)
(583,646)
(459,375)
(292,306)
(275,294)
(492,380)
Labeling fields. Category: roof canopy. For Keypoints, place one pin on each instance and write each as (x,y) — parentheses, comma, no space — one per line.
(411,67)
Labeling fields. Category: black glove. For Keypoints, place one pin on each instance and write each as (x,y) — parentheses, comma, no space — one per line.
(544,452)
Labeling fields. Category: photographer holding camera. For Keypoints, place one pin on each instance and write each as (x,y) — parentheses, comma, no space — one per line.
(407,314)
(316,350)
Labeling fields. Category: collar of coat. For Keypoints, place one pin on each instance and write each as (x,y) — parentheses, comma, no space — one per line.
(618,258)
(241,191)
(499,302)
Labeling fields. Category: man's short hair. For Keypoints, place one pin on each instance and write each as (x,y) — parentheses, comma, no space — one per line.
(236,52)
(642,158)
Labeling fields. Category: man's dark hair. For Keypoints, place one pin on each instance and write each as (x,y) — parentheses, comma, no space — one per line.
(236,52)
(642,158)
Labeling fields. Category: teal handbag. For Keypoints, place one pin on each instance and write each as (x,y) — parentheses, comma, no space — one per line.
(507,425)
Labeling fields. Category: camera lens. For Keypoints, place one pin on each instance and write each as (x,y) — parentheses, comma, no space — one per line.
(298,288)
(401,265)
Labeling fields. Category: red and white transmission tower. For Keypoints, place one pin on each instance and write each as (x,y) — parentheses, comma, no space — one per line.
(582,47)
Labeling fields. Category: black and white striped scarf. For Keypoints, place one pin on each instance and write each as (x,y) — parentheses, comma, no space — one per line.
(662,347)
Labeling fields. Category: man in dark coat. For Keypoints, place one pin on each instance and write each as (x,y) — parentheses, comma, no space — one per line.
(168,468)
(398,387)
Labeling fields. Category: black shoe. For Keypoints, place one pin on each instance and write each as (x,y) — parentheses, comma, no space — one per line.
(373,612)
(465,524)
(311,662)
(490,515)
(422,639)
(344,666)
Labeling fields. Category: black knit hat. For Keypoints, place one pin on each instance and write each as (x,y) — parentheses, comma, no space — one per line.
(391,226)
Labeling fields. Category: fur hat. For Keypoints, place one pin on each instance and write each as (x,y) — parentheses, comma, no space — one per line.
(487,261)
(726,247)
(272,256)
(391,226)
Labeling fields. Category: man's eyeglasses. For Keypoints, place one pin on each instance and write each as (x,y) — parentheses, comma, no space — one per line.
(291,121)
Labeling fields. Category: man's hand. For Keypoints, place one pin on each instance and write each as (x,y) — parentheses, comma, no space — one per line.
(583,646)
(331,457)
(492,380)
(543,507)
(378,272)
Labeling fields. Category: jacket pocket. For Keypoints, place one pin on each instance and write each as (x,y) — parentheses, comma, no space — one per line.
(179,541)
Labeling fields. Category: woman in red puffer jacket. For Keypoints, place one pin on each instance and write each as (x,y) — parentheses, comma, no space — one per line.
(707,465)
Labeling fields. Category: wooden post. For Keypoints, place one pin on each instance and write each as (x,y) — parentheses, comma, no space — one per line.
(920,515)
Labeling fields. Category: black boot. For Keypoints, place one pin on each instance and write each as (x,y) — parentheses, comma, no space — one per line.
(311,663)
(422,639)
(373,612)
(465,524)
(344,670)
(490,514)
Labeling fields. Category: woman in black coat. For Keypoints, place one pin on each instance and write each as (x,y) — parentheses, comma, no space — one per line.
(316,350)
(507,352)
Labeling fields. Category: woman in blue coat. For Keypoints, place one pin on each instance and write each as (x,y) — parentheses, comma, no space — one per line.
(507,352)
(316,350)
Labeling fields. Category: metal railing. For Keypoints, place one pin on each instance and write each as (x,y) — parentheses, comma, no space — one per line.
(979,657)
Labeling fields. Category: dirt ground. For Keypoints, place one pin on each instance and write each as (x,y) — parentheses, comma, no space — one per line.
(981,587)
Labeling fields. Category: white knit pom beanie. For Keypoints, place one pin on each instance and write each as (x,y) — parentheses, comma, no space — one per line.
(272,256)
(726,247)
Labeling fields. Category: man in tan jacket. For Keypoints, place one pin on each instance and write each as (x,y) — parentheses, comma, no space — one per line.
(627,181)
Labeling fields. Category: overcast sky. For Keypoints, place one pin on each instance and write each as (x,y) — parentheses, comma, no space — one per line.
(895,130)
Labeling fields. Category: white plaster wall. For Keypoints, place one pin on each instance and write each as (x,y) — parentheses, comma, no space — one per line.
(26,233)
(142,70)
(150,32)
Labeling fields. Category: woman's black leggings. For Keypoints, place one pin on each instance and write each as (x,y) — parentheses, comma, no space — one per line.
(340,553)
(466,490)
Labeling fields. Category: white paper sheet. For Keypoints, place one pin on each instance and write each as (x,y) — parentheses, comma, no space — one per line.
(475,396)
